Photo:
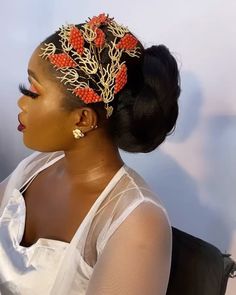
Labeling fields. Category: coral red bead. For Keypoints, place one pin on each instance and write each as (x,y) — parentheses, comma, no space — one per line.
(77,40)
(88,95)
(96,21)
(128,42)
(100,39)
(62,60)
(121,78)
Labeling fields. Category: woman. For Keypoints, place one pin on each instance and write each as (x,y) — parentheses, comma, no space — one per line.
(75,219)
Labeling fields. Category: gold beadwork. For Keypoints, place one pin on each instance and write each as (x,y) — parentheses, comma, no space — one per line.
(110,78)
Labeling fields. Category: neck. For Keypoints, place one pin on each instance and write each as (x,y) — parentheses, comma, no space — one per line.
(93,159)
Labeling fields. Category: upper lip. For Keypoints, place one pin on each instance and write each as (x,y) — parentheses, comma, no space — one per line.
(20,120)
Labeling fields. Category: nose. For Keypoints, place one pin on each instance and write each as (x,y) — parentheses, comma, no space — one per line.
(22,103)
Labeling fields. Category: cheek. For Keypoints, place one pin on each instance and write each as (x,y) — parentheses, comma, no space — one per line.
(47,131)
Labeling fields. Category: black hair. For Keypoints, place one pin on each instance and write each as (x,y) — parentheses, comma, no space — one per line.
(146,117)
(146,109)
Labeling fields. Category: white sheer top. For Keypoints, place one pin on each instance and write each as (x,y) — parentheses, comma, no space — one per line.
(56,267)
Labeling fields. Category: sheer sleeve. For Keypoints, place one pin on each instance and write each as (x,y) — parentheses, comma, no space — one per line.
(24,170)
(137,257)
(3,186)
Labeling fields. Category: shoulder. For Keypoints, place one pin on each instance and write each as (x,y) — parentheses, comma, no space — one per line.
(144,221)
(30,165)
(139,188)
(134,205)
(140,247)
(148,222)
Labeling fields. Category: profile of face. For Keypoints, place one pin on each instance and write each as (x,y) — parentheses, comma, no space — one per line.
(48,125)
(58,100)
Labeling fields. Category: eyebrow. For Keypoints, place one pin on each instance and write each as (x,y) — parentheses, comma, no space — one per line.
(32,74)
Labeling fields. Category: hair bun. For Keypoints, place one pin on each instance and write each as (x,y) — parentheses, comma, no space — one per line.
(143,125)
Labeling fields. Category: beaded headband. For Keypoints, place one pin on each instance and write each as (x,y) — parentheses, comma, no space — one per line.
(77,58)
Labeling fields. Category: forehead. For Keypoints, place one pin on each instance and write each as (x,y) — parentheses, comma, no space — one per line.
(36,62)
(39,68)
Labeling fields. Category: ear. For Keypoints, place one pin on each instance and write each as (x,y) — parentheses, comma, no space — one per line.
(85,118)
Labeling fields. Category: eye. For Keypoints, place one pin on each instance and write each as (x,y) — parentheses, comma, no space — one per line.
(28,92)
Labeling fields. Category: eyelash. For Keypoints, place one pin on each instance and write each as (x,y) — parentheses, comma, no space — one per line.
(27,92)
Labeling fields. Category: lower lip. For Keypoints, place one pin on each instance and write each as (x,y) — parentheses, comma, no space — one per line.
(21,127)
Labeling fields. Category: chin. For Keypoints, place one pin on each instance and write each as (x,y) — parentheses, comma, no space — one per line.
(41,148)
(43,144)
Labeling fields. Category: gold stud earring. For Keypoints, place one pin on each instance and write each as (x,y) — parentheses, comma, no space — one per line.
(78,133)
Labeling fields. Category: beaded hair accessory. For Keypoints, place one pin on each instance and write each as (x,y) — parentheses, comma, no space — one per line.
(81,53)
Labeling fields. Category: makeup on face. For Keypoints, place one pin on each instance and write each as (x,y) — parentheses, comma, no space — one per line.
(20,127)
(31,91)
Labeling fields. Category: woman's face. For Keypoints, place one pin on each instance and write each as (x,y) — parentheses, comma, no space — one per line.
(48,126)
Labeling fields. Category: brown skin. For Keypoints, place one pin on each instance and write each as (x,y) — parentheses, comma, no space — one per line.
(60,196)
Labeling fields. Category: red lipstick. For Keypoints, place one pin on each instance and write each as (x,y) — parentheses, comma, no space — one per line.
(21,127)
